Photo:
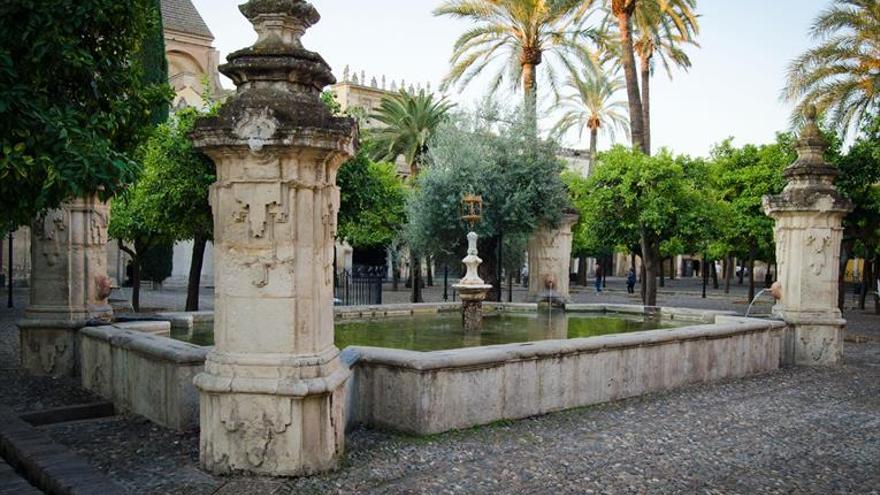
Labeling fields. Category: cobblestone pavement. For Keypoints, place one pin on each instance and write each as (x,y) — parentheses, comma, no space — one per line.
(797,430)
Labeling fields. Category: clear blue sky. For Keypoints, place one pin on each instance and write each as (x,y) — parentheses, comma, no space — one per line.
(732,90)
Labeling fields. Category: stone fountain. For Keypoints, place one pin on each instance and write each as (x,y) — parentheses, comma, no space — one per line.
(472,289)
(809,214)
(271,394)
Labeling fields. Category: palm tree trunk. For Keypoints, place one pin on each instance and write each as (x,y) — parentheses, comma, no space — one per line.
(530,89)
(646,104)
(195,273)
(594,138)
(624,23)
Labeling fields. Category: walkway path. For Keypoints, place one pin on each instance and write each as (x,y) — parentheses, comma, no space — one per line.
(797,430)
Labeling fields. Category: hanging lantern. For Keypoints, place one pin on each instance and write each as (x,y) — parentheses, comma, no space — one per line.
(471,209)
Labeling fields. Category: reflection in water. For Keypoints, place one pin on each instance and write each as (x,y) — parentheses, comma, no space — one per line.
(431,333)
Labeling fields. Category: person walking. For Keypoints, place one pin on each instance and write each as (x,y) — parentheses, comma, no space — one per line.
(631,281)
(598,278)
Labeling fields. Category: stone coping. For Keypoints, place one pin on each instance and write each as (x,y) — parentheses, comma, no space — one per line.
(148,344)
(488,356)
(186,320)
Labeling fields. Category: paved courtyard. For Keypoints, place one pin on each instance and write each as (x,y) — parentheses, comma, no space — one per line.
(796,430)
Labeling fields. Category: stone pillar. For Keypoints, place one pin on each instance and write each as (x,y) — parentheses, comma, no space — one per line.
(808,232)
(271,395)
(68,286)
(549,261)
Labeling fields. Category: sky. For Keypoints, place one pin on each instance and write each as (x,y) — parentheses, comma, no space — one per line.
(732,90)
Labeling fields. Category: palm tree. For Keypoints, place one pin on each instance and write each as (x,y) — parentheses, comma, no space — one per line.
(662,27)
(520,33)
(840,76)
(408,121)
(679,15)
(592,106)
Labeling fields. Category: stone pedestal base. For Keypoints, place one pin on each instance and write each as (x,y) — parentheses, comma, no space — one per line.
(289,426)
(472,297)
(48,347)
(814,342)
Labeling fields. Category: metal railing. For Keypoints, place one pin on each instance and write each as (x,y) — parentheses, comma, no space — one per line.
(359,289)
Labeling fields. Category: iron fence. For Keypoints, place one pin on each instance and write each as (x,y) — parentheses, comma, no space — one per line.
(362,288)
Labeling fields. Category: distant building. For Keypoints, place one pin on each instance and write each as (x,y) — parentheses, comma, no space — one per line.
(192,58)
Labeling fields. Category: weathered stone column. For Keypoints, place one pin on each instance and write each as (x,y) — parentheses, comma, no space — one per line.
(808,215)
(550,261)
(271,396)
(68,286)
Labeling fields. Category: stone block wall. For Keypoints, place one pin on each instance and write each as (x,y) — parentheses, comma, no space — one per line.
(143,373)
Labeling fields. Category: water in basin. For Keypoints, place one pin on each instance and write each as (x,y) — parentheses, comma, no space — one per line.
(444,331)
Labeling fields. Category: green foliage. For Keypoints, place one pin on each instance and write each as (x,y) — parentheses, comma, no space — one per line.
(631,194)
(839,75)
(518,178)
(329,99)
(170,200)
(741,178)
(372,201)
(154,62)
(156,262)
(859,180)
(73,101)
(409,121)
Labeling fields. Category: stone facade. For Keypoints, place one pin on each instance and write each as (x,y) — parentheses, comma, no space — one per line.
(550,261)
(809,215)
(192,58)
(271,396)
(69,284)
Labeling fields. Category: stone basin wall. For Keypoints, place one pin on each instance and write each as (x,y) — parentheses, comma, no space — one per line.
(431,392)
(426,393)
(143,373)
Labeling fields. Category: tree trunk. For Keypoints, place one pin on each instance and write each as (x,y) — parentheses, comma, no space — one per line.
(429,263)
(662,272)
(415,268)
(636,126)
(594,145)
(742,274)
(649,261)
(728,274)
(704,271)
(714,271)
(582,271)
(395,269)
(875,285)
(867,278)
(195,273)
(751,274)
(672,268)
(632,261)
(646,103)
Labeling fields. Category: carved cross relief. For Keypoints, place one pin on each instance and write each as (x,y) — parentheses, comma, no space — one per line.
(257,202)
(818,242)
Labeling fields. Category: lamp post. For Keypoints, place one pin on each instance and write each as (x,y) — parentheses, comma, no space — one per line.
(9,278)
(472,289)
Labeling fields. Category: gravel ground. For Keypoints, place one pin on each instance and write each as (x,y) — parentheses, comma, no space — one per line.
(797,430)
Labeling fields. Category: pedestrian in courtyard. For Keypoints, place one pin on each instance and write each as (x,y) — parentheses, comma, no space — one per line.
(598,278)
(631,281)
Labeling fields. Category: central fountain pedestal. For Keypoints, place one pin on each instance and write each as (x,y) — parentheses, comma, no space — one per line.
(472,289)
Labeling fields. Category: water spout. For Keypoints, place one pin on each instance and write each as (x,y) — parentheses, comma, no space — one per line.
(757,296)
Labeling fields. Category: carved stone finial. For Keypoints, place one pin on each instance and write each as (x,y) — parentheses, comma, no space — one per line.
(363,78)
(383,81)
(810,147)
(345,74)
(280,22)
(373,82)
(393,85)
